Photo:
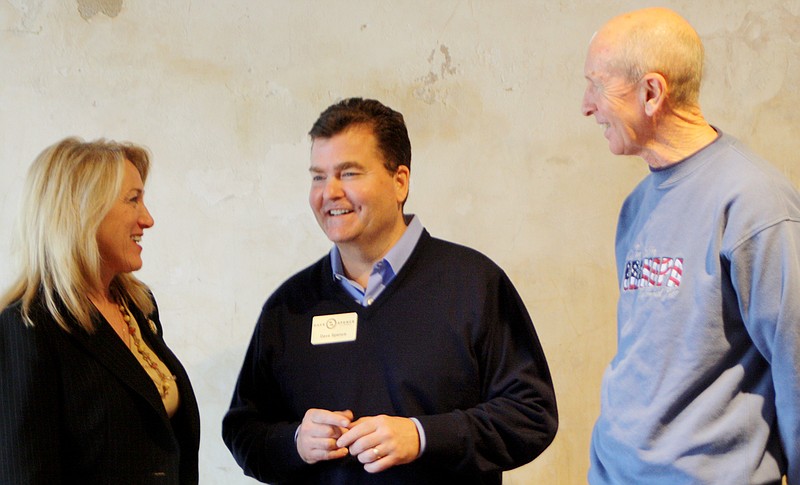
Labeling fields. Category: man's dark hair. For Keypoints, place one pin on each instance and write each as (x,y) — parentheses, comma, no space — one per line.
(387,125)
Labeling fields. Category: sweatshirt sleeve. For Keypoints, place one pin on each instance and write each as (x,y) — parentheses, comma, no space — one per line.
(765,271)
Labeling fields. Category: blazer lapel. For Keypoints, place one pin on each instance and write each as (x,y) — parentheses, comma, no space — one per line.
(109,350)
(151,330)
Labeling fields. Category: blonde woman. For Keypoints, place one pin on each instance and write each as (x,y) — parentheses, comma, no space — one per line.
(90,392)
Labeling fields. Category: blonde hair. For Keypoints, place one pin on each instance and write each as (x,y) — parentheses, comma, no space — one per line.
(70,188)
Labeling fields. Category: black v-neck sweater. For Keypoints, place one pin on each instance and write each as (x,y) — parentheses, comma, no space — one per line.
(449,342)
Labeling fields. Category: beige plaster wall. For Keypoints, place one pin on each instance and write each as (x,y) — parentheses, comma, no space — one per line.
(223,93)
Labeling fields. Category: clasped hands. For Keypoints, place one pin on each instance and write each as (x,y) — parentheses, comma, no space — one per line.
(379,442)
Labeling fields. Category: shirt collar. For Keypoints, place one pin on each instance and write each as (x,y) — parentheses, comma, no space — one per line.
(397,255)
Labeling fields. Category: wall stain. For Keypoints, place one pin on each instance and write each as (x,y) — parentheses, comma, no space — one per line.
(90,8)
(446,66)
(427,91)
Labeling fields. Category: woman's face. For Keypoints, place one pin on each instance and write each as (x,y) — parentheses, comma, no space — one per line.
(121,229)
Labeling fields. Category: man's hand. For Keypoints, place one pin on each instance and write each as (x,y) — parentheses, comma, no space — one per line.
(381,442)
(317,435)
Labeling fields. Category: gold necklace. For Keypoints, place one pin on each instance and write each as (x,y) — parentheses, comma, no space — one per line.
(140,347)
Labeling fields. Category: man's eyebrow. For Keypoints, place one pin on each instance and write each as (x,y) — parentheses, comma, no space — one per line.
(349,164)
(339,166)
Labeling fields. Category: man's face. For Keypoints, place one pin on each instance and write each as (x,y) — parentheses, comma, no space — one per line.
(613,101)
(356,200)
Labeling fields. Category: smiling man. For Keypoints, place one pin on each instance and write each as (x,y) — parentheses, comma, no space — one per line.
(398,358)
(705,386)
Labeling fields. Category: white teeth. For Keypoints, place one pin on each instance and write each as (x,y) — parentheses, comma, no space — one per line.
(338,212)
(137,238)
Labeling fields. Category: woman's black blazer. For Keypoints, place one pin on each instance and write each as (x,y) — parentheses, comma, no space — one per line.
(79,408)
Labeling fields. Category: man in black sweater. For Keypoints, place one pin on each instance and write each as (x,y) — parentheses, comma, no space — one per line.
(397,358)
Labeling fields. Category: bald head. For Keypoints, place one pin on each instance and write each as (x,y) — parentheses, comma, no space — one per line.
(654,40)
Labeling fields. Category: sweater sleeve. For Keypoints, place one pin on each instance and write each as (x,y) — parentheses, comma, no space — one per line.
(518,418)
(765,271)
(254,428)
(29,392)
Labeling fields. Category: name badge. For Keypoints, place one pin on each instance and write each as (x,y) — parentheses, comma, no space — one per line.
(334,329)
